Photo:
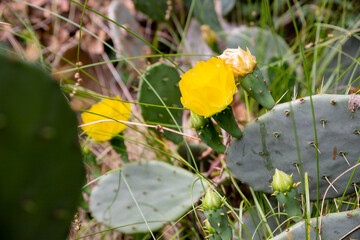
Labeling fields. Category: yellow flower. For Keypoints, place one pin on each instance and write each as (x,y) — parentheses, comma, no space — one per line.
(109,109)
(241,63)
(208,88)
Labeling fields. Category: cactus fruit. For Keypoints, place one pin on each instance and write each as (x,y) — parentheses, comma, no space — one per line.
(119,146)
(287,194)
(290,201)
(255,85)
(269,143)
(41,168)
(207,132)
(243,66)
(217,222)
(334,226)
(226,120)
(164,79)
(162,192)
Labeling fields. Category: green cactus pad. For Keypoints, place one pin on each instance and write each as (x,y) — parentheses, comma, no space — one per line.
(269,143)
(218,220)
(290,202)
(334,226)
(209,135)
(163,193)
(119,146)
(41,163)
(255,86)
(164,79)
(226,120)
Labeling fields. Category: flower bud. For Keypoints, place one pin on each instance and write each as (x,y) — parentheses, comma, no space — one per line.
(240,62)
(211,201)
(197,121)
(282,182)
(208,34)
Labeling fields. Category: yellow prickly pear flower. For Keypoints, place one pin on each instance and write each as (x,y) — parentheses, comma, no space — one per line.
(240,62)
(106,110)
(208,88)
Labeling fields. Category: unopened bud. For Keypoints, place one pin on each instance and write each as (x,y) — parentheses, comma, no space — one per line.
(211,201)
(241,62)
(282,182)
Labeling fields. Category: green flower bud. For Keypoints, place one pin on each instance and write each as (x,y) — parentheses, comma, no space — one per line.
(211,201)
(197,121)
(282,182)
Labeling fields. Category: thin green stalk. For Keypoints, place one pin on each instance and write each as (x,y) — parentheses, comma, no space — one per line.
(262,216)
(308,80)
(307,201)
(80,31)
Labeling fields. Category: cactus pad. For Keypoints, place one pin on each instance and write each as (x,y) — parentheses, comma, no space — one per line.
(164,79)
(218,219)
(269,143)
(41,168)
(334,226)
(163,194)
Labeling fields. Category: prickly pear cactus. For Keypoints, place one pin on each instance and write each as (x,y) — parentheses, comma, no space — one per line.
(164,79)
(269,48)
(269,143)
(334,226)
(219,223)
(150,190)
(41,168)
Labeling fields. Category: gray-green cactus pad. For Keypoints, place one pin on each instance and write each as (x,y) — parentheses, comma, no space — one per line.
(163,193)
(334,226)
(41,165)
(269,143)
(164,80)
